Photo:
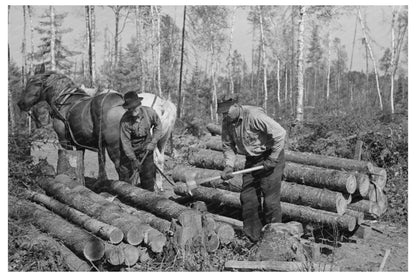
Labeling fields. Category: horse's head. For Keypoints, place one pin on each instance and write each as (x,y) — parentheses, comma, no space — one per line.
(32,93)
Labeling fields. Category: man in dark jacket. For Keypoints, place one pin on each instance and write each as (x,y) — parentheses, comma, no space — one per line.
(247,130)
(137,141)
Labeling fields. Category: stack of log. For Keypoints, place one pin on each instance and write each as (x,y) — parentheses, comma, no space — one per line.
(317,189)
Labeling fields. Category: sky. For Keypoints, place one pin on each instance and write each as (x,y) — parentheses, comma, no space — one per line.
(378,18)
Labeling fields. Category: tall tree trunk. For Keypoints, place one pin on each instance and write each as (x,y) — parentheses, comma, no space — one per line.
(371,56)
(392,61)
(24,53)
(328,75)
(10,96)
(32,46)
(352,54)
(230,77)
(293,58)
(263,50)
(53,38)
(87,69)
(286,83)
(140,47)
(92,41)
(299,106)
(213,110)
(278,83)
(116,34)
(159,47)
(181,68)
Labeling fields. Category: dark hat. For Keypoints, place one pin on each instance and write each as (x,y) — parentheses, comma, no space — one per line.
(225,103)
(131,100)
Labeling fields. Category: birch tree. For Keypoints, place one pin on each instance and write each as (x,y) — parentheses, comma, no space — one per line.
(229,58)
(299,104)
(263,51)
(24,53)
(370,51)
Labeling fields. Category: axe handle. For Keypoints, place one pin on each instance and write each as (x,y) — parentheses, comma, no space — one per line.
(247,170)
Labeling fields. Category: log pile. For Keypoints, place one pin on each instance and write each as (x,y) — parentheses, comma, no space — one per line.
(316,189)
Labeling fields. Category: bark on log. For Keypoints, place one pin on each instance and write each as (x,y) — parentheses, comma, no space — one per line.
(314,159)
(214,129)
(153,203)
(377,195)
(359,216)
(145,217)
(370,209)
(103,230)
(304,174)
(236,224)
(78,240)
(96,206)
(291,211)
(72,261)
(290,192)
(279,266)
(71,163)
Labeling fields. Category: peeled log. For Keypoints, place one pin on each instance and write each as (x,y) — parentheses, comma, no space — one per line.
(214,129)
(369,208)
(78,240)
(71,163)
(291,211)
(331,179)
(96,206)
(145,217)
(314,159)
(103,230)
(279,266)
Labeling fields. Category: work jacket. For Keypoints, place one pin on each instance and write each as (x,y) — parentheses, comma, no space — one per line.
(251,135)
(136,132)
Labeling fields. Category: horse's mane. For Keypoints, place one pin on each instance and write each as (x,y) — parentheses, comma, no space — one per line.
(57,81)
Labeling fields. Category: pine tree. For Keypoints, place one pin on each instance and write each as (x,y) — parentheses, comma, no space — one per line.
(60,52)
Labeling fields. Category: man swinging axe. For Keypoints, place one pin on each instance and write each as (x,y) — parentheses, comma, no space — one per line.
(247,130)
(137,141)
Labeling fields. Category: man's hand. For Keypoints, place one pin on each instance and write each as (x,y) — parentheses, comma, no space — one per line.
(150,146)
(226,174)
(136,165)
(269,164)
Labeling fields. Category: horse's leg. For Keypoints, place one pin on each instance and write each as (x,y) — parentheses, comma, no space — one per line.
(102,175)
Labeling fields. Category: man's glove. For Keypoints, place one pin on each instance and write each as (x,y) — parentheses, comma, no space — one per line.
(269,164)
(226,174)
(150,146)
(136,165)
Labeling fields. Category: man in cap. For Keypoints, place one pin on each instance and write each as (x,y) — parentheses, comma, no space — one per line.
(247,130)
(137,141)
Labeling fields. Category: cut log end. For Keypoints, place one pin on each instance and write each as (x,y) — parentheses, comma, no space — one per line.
(157,242)
(212,242)
(114,255)
(351,184)
(363,184)
(131,254)
(225,233)
(134,236)
(116,236)
(341,203)
(94,250)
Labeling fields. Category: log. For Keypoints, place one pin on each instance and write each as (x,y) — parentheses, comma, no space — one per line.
(145,217)
(214,129)
(291,211)
(379,177)
(370,209)
(103,230)
(71,163)
(236,224)
(154,203)
(78,240)
(363,184)
(279,266)
(211,242)
(131,254)
(303,174)
(290,192)
(94,205)
(114,254)
(314,159)
(358,215)
(376,194)
(143,254)
(72,261)
(225,233)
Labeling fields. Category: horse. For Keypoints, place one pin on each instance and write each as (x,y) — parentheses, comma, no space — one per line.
(89,122)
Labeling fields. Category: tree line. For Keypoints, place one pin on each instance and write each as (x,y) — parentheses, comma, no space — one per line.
(297,64)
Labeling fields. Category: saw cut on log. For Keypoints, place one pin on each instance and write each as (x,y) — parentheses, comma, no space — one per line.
(103,230)
(293,212)
(370,209)
(358,215)
(158,223)
(94,205)
(279,266)
(78,240)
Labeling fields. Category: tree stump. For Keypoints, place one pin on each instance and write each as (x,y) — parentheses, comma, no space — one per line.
(71,163)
